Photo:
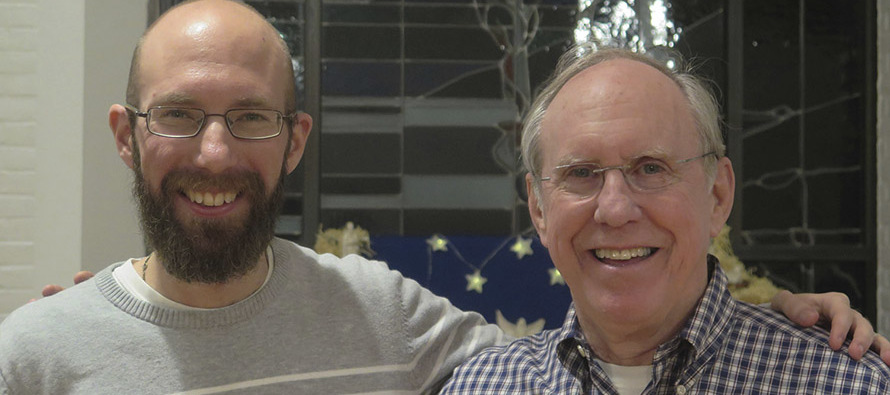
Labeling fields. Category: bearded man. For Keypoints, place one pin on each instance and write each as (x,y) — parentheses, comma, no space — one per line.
(210,129)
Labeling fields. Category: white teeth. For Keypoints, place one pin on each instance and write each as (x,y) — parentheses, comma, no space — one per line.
(211,200)
(623,255)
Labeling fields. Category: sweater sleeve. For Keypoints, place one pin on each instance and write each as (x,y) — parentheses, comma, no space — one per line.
(4,390)
(404,325)
(440,335)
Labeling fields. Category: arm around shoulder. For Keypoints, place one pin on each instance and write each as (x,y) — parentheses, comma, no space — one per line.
(441,335)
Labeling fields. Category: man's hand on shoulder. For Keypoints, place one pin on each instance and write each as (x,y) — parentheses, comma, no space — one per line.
(832,310)
(53,289)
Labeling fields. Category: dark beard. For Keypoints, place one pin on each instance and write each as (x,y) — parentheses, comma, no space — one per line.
(202,250)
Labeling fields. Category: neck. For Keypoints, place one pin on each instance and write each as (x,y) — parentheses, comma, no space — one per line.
(622,335)
(203,295)
(633,343)
(627,346)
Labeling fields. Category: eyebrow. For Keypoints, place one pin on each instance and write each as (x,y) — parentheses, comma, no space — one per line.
(251,102)
(570,160)
(173,99)
(654,152)
(183,99)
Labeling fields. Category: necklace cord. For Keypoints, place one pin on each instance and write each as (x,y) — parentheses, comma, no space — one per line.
(145,266)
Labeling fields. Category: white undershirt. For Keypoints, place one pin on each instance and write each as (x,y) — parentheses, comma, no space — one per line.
(627,380)
(132,282)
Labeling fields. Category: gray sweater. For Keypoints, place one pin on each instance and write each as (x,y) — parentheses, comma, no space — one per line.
(321,325)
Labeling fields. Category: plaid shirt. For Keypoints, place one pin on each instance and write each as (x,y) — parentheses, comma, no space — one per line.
(727,347)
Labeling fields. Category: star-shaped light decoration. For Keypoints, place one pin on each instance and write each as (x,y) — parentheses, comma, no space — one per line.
(520,328)
(475,281)
(556,277)
(522,247)
(438,243)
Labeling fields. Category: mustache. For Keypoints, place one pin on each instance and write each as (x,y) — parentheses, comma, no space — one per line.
(211,251)
(246,183)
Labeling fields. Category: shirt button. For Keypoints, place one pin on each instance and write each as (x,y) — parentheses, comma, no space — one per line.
(582,350)
(681,390)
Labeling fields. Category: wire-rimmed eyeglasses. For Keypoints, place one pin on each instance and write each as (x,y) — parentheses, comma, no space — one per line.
(182,122)
(643,174)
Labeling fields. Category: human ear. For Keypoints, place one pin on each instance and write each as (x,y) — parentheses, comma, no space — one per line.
(534,209)
(300,128)
(119,121)
(723,191)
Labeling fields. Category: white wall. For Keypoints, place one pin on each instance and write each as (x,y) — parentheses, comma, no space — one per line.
(64,200)
(110,225)
(19,142)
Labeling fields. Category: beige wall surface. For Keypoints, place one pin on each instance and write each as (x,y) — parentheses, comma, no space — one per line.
(64,193)
(110,226)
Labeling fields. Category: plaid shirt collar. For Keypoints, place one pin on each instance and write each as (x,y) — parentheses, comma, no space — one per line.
(677,361)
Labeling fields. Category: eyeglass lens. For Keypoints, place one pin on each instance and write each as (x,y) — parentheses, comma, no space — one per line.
(645,174)
(248,123)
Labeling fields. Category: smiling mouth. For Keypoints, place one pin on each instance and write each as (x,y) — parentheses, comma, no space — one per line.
(625,254)
(211,199)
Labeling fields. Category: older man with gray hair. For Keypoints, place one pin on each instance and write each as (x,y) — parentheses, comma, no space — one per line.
(628,183)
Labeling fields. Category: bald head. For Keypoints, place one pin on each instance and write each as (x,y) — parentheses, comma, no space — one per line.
(212,32)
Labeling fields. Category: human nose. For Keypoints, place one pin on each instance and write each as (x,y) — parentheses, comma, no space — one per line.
(216,145)
(615,205)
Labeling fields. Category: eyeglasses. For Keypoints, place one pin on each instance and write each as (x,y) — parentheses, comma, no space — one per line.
(178,122)
(644,174)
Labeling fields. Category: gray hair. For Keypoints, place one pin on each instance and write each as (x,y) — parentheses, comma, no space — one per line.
(702,102)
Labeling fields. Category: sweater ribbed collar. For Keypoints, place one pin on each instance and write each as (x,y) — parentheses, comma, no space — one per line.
(244,310)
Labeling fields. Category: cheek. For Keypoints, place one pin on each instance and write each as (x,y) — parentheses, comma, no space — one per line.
(269,166)
(565,221)
(152,166)
(687,218)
